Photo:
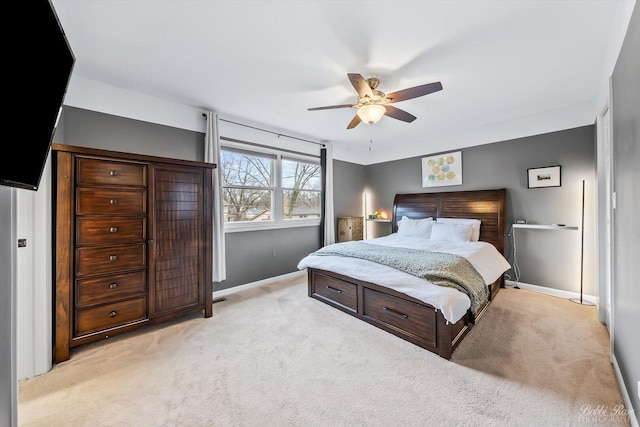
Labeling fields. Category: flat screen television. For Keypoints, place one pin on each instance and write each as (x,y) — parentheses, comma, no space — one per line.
(38,69)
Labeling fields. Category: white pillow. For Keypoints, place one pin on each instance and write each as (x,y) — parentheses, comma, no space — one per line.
(421,219)
(475,225)
(451,232)
(415,227)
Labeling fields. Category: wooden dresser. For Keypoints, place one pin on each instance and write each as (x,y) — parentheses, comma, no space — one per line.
(132,242)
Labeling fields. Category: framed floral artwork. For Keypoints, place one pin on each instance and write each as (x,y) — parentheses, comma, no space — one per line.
(442,169)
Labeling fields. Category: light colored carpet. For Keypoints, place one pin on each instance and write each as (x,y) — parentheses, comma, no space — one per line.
(272,356)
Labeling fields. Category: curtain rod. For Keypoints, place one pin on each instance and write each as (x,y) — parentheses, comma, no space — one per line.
(226,138)
(268,131)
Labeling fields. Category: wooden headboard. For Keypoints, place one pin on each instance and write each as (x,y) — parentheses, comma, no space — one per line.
(486,205)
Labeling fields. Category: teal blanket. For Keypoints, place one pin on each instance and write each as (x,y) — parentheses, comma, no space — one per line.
(439,268)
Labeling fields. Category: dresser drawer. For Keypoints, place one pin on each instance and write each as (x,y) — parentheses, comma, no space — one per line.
(103,289)
(108,172)
(110,230)
(411,318)
(337,291)
(110,259)
(101,201)
(107,316)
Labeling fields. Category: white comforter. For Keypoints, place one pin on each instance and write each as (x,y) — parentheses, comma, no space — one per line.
(453,303)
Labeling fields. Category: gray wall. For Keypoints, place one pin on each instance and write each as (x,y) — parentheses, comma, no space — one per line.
(86,128)
(257,255)
(8,381)
(504,165)
(626,167)
(271,252)
(348,182)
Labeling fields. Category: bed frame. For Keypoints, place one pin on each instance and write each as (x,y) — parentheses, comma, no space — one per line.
(398,313)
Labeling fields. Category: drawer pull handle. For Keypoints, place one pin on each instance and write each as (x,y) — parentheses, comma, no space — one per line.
(113,230)
(113,286)
(113,313)
(113,201)
(395,313)
(113,258)
(113,173)
(332,289)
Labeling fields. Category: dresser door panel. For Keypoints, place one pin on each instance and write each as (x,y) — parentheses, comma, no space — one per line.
(177,253)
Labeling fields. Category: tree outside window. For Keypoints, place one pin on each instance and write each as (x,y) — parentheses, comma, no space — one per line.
(301,189)
(249,187)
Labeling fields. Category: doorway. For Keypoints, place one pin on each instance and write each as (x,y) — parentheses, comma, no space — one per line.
(606,288)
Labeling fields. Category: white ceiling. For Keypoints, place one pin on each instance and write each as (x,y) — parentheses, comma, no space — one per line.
(509,68)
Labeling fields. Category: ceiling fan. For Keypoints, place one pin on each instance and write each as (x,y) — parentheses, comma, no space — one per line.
(373,104)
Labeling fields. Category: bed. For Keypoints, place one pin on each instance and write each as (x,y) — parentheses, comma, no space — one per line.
(413,308)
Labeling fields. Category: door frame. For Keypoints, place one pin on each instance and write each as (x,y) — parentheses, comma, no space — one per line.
(606,202)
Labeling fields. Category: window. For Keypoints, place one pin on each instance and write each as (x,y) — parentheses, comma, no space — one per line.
(247,183)
(300,189)
(267,189)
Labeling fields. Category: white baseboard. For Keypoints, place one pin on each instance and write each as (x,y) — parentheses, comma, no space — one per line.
(633,420)
(552,292)
(224,292)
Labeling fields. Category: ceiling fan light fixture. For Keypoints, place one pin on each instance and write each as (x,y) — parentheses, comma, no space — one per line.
(371,113)
(373,104)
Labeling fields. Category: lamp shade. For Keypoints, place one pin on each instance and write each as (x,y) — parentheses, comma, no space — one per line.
(371,113)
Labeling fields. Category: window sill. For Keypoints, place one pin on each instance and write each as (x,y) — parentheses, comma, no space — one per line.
(238,228)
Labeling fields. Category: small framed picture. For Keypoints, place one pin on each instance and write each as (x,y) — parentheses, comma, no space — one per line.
(548,176)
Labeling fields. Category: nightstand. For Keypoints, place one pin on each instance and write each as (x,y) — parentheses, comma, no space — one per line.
(350,228)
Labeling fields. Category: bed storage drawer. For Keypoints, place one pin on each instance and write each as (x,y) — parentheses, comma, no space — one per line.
(335,291)
(413,319)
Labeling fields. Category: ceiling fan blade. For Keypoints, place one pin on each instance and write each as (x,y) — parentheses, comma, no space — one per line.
(414,92)
(355,122)
(330,107)
(361,85)
(399,114)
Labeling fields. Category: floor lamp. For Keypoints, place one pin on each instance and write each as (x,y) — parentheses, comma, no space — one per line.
(581,300)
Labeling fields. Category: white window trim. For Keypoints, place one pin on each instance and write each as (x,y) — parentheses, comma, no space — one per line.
(274,224)
(270,225)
